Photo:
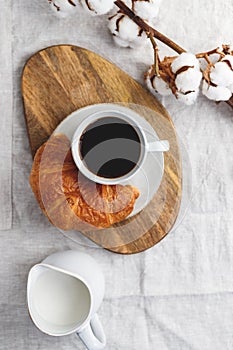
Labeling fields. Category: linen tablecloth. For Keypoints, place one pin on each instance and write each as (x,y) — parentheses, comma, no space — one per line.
(177,295)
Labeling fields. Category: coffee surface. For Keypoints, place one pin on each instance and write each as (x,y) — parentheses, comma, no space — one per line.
(110,147)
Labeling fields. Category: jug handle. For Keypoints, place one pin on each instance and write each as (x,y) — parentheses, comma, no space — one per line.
(93,335)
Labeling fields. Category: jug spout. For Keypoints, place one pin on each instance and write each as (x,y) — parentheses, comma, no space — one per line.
(33,275)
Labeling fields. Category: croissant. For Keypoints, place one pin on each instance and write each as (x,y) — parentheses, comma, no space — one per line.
(70,200)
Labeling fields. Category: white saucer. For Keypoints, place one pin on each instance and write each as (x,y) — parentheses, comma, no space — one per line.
(149,176)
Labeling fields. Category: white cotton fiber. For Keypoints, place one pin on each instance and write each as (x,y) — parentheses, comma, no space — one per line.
(230,87)
(189,98)
(97,7)
(221,74)
(156,84)
(183,60)
(125,32)
(161,86)
(188,80)
(216,93)
(147,9)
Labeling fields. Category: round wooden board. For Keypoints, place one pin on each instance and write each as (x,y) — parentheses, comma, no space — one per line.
(57,81)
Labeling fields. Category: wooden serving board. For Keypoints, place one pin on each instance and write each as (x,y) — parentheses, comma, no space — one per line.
(60,79)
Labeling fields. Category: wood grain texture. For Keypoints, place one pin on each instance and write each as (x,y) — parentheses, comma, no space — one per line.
(60,79)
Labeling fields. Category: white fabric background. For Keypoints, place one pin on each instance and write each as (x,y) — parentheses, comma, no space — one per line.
(177,295)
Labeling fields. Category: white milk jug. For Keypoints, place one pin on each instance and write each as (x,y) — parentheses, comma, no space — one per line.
(64,293)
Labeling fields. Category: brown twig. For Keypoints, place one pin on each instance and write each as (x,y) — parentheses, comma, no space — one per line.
(156,54)
(209,53)
(206,55)
(147,28)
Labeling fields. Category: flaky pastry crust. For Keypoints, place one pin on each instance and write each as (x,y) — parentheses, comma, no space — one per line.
(68,199)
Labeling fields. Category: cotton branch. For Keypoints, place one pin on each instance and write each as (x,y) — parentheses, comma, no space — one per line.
(153,33)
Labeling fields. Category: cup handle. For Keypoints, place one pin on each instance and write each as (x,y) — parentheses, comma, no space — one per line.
(159,146)
(92,335)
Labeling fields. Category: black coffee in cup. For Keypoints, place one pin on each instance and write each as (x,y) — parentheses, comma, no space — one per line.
(110,147)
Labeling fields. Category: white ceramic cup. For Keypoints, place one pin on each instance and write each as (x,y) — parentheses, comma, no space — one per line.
(133,119)
(64,293)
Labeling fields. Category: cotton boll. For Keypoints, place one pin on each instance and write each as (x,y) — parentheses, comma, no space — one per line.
(187,84)
(97,7)
(188,98)
(216,93)
(183,60)
(188,80)
(125,32)
(161,86)
(63,8)
(221,74)
(157,85)
(147,9)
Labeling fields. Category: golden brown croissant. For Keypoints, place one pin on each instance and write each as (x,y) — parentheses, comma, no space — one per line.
(68,199)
